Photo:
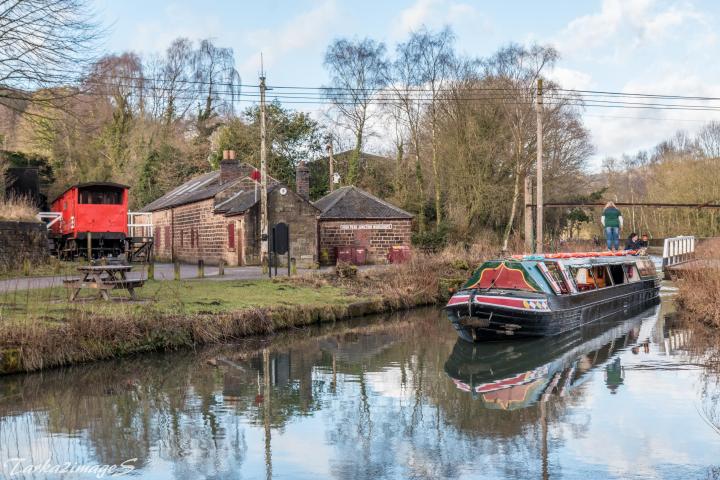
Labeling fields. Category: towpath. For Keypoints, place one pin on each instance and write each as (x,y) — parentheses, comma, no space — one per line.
(164,271)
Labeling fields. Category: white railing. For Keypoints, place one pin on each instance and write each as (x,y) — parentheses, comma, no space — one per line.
(136,229)
(678,250)
(54,217)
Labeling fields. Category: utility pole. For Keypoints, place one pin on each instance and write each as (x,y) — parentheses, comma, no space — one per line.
(539,188)
(332,165)
(528,215)
(263,175)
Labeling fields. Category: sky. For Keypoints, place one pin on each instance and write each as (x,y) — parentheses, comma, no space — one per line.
(644,46)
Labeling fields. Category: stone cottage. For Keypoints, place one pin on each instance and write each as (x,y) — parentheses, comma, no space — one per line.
(216,216)
(351,217)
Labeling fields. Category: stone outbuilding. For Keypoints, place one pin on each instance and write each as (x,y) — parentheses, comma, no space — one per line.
(351,217)
(216,216)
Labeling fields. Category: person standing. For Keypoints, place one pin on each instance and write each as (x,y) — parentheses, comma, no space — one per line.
(612,220)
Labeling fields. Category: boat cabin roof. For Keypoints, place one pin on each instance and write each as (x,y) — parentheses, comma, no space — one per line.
(582,258)
(536,273)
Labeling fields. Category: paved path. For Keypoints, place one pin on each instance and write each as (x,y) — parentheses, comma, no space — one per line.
(164,271)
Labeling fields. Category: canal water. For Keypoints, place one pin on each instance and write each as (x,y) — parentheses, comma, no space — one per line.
(390,397)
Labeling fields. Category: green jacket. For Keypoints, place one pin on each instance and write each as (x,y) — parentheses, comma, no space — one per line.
(612,217)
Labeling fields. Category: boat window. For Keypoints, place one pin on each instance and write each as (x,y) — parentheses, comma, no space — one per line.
(583,278)
(601,276)
(633,275)
(552,272)
(646,267)
(617,273)
(99,195)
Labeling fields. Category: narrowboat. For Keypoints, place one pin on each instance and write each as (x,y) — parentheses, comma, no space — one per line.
(544,295)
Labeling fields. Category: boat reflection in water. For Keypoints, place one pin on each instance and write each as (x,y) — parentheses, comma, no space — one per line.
(515,374)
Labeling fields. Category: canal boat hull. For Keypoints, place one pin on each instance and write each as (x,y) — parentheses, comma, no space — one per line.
(494,313)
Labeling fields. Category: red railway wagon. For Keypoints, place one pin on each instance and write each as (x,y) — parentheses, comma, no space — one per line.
(98,209)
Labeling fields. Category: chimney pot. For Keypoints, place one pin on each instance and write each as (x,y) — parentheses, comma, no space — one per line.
(231,154)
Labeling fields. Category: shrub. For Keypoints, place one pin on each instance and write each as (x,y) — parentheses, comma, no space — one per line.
(431,240)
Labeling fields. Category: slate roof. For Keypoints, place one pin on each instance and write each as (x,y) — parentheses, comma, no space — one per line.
(231,198)
(353,203)
(197,188)
(242,201)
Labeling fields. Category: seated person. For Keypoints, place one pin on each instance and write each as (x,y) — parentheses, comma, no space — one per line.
(633,242)
(645,241)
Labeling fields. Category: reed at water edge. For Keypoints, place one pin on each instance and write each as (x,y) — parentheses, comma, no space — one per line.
(699,288)
(93,330)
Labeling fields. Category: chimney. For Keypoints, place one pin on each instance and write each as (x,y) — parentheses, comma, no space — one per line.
(302,180)
(229,167)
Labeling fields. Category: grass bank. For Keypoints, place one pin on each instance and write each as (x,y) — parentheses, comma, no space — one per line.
(41,329)
(699,289)
(17,209)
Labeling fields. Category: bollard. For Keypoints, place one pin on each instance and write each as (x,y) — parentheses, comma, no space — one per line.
(151,270)
(201,269)
(177,270)
(89,247)
(221,268)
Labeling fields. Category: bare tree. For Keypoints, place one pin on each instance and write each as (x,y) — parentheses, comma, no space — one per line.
(217,82)
(118,78)
(514,71)
(709,139)
(435,60)
(357,72)
(43,44)
(406,76)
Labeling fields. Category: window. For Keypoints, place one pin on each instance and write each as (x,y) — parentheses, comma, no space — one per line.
(192,238)
(168,238)
(632,273)
(231,234)
(601,276)
(554,275)
(583,278)
(617,273)
(646,267)
(98,195)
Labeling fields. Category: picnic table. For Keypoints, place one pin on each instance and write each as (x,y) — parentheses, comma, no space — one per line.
(103,278)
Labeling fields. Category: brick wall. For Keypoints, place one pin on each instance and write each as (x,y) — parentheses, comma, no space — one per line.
(192,232)
(344,233)
(20,241)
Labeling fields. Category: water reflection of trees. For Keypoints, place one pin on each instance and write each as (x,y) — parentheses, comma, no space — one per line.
(387,406)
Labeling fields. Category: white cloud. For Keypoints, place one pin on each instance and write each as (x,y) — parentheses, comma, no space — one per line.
(437,13)
(569,78)
(156,35)
(297,33)
(617,130)
(622,25)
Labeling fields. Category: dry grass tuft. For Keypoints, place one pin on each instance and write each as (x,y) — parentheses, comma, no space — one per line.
(699,289)
(18,209)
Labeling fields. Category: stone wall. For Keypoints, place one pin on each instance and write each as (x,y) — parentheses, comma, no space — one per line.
(301,218)
(375,235)
(21,241)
